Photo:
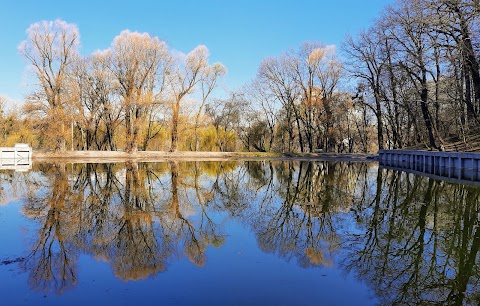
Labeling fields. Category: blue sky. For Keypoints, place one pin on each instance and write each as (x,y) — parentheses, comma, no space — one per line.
(238,33)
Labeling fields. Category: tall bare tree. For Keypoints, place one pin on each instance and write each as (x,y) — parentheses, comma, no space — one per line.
(135,60)
(212,74)
(187,71)
(366,64)
(459,20)
(327,74)
(407,23)
(51,47)
(98,113)
(275,78)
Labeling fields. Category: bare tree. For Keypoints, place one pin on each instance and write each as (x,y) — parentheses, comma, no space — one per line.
(328,72)
(227,116)
(98,115)
(135,61)
(407,24)
(459,20)
(420,58)
(209,81)
(264,115)
(366,64)
(51,47)
(274,77)
(187,71)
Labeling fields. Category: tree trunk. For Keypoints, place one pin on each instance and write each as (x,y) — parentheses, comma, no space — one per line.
(197,118)
(426,115)
(397,128)
(300,138)
(471,62)
(61,142)
(174,206)
(128,129)
(468,92)
(378,114)
(175,109)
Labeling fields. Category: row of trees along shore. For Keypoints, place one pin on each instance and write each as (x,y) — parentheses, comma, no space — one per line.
(411,79)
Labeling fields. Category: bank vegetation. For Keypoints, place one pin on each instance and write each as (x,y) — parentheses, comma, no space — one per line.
(412,79)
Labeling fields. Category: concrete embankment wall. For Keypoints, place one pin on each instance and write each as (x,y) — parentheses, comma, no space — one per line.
(456,165)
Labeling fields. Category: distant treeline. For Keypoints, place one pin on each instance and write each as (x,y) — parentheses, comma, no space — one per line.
(416,70)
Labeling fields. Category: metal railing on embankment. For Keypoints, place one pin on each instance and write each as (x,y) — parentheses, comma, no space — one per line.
(458,166)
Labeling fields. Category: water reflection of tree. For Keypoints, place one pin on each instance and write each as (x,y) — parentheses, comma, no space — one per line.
(15,185)
(135,251)
(292,207)
(305,223)
(420,241)
(412,239)
(135,217)
(177,226)
(51,263)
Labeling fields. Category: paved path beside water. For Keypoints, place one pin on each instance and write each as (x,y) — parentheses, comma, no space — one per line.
(112,156)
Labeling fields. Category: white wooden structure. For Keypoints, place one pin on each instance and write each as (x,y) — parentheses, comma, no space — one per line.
(18,158)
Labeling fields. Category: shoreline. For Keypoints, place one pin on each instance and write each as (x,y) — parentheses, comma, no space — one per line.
(152,156)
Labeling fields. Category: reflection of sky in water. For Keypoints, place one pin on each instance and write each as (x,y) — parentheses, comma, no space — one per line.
(254,233)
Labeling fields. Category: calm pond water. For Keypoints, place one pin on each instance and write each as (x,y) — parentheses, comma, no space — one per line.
(236,233)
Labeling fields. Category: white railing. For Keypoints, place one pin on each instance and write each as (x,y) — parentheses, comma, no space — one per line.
(18,158)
